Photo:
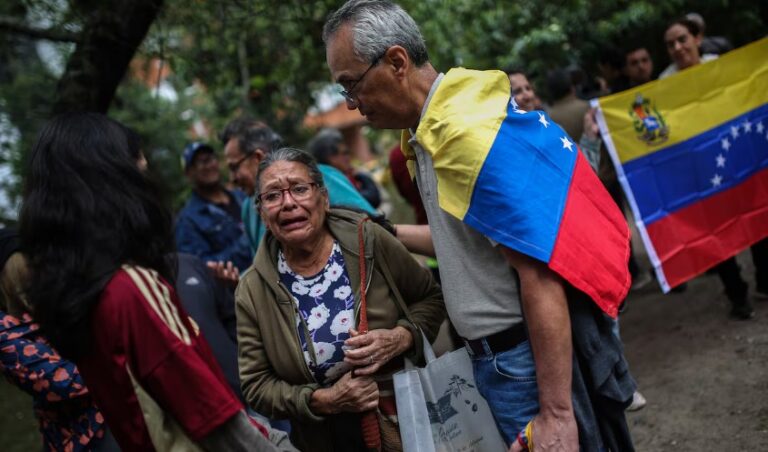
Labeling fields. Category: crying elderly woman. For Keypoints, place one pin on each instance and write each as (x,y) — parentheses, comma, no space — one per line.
(302,354)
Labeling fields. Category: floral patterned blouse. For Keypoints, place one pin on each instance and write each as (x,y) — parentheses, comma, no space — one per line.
(325,305)
(69,420)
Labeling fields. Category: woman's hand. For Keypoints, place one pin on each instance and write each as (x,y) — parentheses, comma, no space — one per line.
(225,272)
(348,395)
(368,352)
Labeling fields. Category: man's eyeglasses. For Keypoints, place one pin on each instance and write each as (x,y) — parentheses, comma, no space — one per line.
(233,167)
(299,192)
(347,93)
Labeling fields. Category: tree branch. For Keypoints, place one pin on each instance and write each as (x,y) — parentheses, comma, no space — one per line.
(17,26)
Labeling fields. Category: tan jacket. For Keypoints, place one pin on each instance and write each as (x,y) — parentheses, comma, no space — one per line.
(273,374)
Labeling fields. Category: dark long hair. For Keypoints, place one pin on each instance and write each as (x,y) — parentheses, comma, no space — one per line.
(87,210)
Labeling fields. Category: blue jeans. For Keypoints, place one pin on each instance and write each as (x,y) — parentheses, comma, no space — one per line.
(507,381)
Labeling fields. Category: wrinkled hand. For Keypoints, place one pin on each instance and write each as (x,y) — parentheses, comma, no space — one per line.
(591,129)
(353,394)
(369,351)
(225,272)
(552,434)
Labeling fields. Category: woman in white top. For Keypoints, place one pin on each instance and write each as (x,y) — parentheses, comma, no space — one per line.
(683,38)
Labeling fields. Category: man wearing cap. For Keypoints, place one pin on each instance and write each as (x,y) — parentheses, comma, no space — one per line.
(209,226)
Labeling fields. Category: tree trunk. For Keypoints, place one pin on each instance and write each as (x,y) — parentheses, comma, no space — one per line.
(112,32)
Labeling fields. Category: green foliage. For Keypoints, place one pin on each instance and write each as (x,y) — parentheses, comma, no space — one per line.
(265,58)
(163,126)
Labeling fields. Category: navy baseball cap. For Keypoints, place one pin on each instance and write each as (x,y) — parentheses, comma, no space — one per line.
(191,151)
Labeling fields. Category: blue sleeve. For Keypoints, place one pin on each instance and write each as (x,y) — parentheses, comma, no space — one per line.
(191,240)
(341,191)
(32,365)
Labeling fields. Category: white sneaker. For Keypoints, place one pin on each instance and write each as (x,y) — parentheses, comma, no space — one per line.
(638,402)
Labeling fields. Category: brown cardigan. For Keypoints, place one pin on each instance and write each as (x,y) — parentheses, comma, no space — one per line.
(274,376)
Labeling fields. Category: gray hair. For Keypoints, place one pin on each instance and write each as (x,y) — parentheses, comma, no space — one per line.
(251,135)
(376,26)
(292,155)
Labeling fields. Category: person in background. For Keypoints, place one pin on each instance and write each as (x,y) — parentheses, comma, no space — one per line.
(329,148)
(68,418)
(212,306)
(100,286)
(405,184)
(210,226)
(683,38)
(638,65)
(715,45)
(636,68)
(522,91)
(566,109)
(297,361)
(609,63)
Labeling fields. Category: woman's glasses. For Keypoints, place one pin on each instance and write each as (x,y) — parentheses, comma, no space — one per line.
(299,192)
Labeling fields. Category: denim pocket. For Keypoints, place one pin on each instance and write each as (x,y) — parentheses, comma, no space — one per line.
(516,363)
(508,383)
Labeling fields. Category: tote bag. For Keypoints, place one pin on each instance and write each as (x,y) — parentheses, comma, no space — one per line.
(439,408)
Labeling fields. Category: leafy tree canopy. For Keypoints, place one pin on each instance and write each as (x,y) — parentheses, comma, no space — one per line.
(266,58)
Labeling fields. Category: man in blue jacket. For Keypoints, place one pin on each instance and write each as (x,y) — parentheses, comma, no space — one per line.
(209,226)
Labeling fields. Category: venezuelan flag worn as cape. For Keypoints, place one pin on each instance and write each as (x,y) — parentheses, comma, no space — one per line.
(519,179)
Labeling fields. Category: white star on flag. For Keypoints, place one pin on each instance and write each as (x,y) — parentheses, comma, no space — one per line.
(760,127)
(717,180)
(543,120)
(516,107)
(720,161)
(566,144)
(747,126)
(726,144)
(734,131)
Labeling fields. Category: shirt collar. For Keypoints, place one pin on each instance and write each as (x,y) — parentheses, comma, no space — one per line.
(432,90)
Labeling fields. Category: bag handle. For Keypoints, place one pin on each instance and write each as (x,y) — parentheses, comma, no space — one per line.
(429,353)
(387,276)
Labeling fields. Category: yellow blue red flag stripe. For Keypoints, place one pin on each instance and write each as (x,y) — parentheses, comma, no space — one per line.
(518,178)
(691,152)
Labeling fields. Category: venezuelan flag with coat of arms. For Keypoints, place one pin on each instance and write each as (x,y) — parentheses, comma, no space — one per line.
(691,153)
(519,179)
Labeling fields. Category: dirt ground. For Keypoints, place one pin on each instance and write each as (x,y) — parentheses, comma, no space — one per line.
(704,375)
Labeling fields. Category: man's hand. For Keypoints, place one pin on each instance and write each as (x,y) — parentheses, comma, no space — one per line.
(552,433)
(368,352)
(225,272)
(591,129)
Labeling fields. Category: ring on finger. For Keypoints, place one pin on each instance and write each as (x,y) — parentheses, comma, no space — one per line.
(370,359)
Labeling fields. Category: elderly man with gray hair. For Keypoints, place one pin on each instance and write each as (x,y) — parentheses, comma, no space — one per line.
(542,353)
